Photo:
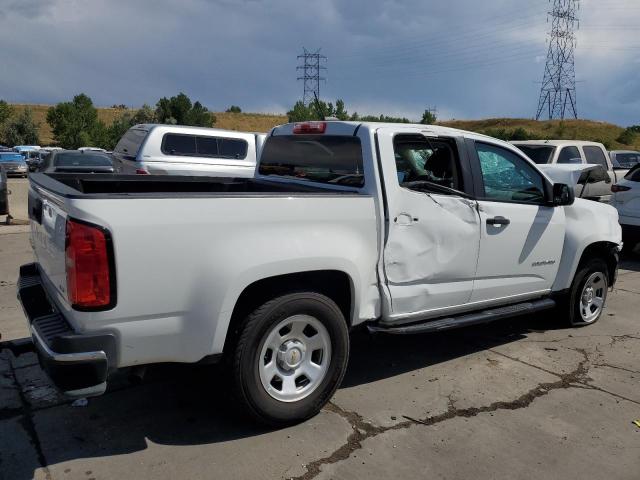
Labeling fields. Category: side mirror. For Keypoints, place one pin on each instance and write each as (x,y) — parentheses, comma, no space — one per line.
(563,195)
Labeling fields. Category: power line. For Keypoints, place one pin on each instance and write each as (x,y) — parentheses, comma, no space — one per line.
(310,69)
(558,91)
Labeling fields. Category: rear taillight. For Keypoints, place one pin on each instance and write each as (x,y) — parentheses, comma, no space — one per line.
(88,267)
(141,171)
(619,188)
(310,127)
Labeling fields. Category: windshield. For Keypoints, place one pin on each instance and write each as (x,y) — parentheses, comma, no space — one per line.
(82,160)
(11,157)
(538,153)
(316,158)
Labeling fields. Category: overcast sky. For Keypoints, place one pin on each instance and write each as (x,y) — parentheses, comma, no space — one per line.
(469,58)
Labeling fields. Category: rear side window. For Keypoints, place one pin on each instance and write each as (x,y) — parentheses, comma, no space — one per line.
(328,159)
(537,153)
(130,143)
(627,160)
(595,156)
(569,155)
(204,146)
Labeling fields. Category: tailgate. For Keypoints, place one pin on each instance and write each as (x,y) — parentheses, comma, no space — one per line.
(48,218)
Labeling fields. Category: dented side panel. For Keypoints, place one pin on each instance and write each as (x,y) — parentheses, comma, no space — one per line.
(431,254)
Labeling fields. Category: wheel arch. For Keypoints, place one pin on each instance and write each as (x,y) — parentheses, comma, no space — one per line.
(335,284)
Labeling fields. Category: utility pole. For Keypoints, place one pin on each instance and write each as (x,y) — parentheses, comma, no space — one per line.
(310,74)
(558,91)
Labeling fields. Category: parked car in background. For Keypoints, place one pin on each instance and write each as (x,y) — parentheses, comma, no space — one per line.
(4,192)
(180,150)
(74,161)
(91,149)
(626,199)
(14,164)
(575,152)
(624,158)
(25,148)
(404,228)
(5,149)
(34,158)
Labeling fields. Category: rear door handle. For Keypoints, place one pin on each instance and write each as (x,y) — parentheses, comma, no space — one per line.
(498,221)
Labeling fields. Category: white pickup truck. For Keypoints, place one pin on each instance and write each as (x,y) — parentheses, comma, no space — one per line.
(402,228)
(577,152)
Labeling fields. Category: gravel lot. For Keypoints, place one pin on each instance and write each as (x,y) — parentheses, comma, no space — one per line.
(523,398)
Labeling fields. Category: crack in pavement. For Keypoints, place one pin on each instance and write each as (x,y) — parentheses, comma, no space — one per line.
(363,430)
(616,367)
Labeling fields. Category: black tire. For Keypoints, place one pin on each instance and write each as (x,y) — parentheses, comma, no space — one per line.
(572,302)
(630,242)
(246,356)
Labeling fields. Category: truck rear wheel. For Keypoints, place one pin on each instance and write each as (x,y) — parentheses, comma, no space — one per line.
(290,357)
(588,293)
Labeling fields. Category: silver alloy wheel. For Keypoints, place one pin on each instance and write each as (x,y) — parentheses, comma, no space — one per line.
(592,297)
(294,358)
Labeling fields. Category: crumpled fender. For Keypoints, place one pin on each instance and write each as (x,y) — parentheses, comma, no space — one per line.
(587,222)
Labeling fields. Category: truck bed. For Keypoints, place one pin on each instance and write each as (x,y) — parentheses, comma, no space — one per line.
(77,185)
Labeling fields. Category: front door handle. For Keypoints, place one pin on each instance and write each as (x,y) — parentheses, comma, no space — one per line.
(498,221)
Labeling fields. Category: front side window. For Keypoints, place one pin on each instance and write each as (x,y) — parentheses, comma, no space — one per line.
(419,159)
(507,177)
(569,155)
(595,155)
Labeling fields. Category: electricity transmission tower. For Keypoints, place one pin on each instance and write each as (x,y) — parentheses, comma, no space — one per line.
(558,92)
(310,74)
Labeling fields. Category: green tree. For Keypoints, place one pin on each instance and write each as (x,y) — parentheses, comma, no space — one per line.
(627,137)
(22,130)
(234,109)
(179,110)
(144,114)
(428,118)
(340,112)
(75,123)
(6,111)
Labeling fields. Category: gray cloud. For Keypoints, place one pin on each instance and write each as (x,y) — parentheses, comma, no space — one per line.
(471,59)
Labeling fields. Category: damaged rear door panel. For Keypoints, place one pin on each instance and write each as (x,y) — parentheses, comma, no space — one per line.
(432,246)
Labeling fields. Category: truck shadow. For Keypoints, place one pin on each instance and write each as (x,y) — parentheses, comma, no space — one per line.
(186,405)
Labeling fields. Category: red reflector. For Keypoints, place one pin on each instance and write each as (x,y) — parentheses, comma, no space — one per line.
(87,262)
(310,127)
(619,188)
(141,171)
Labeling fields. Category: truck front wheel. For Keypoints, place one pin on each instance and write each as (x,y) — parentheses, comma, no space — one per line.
(290,357)
(586,299)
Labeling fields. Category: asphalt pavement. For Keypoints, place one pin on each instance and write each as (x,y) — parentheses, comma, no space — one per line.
(519,399)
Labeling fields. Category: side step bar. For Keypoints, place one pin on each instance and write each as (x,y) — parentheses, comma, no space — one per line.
(465,320)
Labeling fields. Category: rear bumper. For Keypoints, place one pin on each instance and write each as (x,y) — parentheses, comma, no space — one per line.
(77,364)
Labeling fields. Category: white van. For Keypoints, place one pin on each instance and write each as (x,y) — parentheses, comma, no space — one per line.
(182,150)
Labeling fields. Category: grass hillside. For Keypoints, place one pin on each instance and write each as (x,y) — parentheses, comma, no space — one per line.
(603,132)
(606,133)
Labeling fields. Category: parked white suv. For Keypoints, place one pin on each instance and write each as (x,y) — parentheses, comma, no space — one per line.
(626,199)
(182,150)
(575,152)
(404,228)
